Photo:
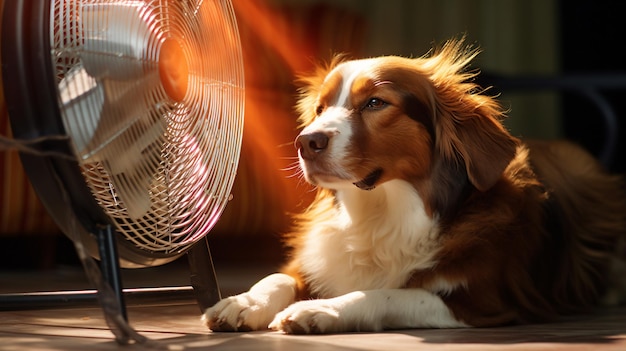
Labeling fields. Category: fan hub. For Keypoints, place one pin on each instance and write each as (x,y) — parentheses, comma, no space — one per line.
(173,69)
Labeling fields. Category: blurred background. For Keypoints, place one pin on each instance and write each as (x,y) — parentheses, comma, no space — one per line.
(284,38)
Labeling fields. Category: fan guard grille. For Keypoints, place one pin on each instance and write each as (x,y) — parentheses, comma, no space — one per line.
(151,94)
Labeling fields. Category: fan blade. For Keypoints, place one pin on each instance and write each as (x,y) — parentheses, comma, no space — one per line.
(82,99)
(125,104)
(114,123)
(128,141)
(116,39)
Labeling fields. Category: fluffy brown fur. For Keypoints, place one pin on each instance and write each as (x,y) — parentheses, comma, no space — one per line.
(529,225)
(429,213)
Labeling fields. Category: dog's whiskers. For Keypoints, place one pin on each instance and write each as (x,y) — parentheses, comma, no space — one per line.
(294,170)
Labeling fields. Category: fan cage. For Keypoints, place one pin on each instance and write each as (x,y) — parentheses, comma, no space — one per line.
(161,165)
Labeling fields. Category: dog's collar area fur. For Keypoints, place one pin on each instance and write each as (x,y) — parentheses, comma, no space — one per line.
(369,182)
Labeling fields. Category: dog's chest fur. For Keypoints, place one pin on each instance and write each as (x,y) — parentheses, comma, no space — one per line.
(376,239)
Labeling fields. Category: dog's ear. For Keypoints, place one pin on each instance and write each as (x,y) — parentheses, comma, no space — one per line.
(467,123)
(478,140)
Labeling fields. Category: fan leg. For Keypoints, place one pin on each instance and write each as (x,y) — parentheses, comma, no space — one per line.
(110,266)
(203,278)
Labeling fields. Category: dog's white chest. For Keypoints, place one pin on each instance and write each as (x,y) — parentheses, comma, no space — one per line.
(376,240)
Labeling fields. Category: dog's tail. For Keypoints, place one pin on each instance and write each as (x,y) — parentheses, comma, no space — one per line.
(591,210)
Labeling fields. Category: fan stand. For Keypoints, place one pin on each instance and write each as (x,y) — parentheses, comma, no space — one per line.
(203,282)
(203,277)
(109,265)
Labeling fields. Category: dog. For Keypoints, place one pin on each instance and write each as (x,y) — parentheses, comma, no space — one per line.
(429,213)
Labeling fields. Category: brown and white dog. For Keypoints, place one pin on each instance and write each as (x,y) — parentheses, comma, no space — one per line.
(429,213)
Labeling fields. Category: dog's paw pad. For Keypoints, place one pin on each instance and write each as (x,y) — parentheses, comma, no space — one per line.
(307,317)
(236,314)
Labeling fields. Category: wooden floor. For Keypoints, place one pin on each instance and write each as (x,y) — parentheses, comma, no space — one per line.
(173,323)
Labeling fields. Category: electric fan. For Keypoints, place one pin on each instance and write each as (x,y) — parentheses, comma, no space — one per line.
(130,114)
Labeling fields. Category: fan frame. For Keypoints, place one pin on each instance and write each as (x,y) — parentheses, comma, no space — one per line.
(34,112)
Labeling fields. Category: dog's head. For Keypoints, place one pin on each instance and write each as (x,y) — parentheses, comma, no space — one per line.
(372,120)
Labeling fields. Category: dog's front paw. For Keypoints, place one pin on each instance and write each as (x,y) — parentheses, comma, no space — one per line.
(308,317)
(255,309)
(238,313)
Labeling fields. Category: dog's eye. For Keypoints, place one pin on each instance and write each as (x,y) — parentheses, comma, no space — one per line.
(319,109)
(375,103)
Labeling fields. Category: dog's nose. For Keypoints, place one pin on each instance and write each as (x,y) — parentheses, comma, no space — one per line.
(311,145)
